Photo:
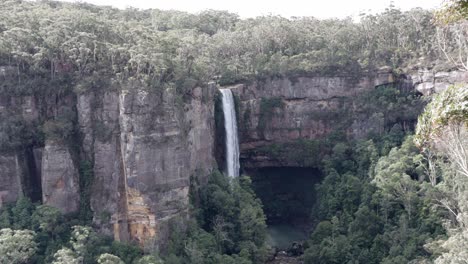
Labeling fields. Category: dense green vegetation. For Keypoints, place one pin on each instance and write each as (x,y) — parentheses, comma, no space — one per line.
(378,205)
(43,52)
(371,209)
(384,200)
(229,225)
(39,41)
(375,205)
(50,237)
(442,134)
(391,198)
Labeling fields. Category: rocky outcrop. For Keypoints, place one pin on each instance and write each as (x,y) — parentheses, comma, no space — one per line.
(145,146)
(18,165)
(20,174)
(99,123)
(284,110)
(60,178)
(135,149)
(428,82)
(297,101)
(10,187)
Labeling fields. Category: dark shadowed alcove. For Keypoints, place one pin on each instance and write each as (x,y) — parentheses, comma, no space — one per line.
(287,193)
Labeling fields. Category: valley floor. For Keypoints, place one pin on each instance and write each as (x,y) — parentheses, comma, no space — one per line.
(285,259)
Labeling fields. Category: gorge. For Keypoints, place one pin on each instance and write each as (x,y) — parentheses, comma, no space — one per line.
(116,126)
(142,147)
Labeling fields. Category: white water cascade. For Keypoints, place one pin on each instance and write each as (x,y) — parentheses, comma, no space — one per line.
(230,126)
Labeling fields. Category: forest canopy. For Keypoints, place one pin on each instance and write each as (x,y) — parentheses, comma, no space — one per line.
(55,40)
(391,198)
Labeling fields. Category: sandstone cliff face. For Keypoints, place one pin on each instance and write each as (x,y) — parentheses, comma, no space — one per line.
(284,110)
(300,100)
(60,181)
(137,148)
(10,187)
(145,145)
(428,82)
(16,177)
(140,147)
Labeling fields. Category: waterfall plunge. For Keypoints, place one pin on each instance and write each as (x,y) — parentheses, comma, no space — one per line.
(230,126)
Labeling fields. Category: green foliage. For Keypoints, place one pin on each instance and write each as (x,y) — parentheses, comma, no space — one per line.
(65,256)
(107,258)
(397,175)
(50,227)
(16,133)
(127,252)
(17,246)
(452,11)
(442,133)
(149,260)
(86,181)
(85,246)
(302,152)
(230,225)
(371,209)
(62,127)
(5,216)
(392,105)
(447,107)
(56,240)
(156,48)
(387,220)
(267,111)
(47,219)
(21,213)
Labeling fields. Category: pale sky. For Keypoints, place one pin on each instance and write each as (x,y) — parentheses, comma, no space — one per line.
(285,8)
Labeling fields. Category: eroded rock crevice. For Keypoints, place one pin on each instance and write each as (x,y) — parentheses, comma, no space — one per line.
(139,147)
(143,166)
(31,179)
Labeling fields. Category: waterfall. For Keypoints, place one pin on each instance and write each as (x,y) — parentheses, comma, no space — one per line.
(230,126)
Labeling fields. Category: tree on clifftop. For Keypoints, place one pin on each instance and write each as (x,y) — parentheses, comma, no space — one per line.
(452,32)
(443,129)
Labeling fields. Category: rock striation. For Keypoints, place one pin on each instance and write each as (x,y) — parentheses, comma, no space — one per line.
(282,110)
(60,181)
(133,151)
(428,82)
(145,146)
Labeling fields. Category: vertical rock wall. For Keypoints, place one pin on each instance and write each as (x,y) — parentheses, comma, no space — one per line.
(139,146)
(145,146)
(10,187)
(287,109)
(60,178)
(142,146)
(282,110)
(14,168)
(428,82)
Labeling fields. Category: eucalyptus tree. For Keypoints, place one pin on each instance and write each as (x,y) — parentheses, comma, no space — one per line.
(107,258)
(17,246)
